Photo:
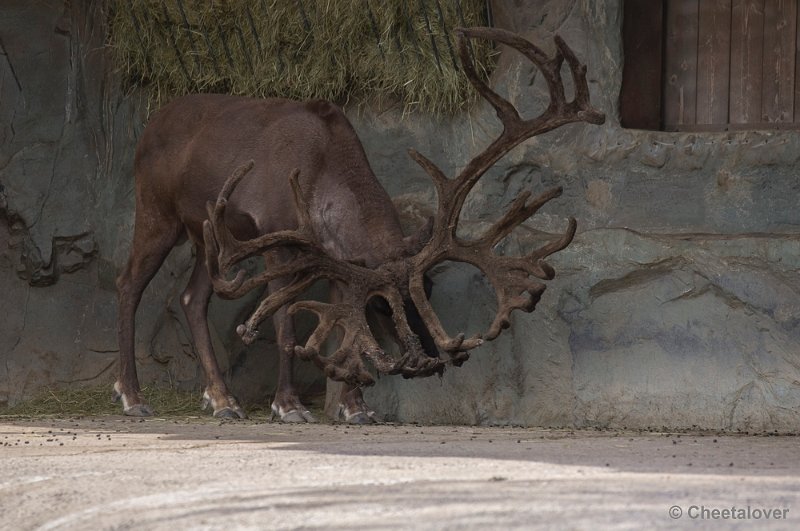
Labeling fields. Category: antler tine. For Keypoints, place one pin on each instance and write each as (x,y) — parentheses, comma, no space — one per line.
(233,180)
(505,110)
(519,211)
(218,238)
(226,288)
(556,245)
(443,223)
(440,180)
(228,246)
(585,111)
(274,301)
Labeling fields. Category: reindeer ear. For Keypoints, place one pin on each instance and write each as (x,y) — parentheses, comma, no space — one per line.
(414,243)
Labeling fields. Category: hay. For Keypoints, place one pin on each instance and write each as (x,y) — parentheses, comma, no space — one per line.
(97,401)
(166,402)
(338,50)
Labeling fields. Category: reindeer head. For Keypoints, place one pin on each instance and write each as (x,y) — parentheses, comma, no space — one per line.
(516,280)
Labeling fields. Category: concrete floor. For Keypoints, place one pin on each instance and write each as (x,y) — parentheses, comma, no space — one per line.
(115,472)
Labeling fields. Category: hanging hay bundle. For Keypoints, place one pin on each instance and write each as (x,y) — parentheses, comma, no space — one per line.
(336,50)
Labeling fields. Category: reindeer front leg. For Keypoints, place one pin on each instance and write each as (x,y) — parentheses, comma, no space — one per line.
(194,301)
(286,405)
(344,401)
(352,407)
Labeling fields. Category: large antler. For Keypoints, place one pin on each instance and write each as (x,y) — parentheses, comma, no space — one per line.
(511,276)
(224,251)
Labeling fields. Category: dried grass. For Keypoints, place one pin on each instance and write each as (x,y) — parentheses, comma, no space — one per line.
(166,402)
(338,50)
(92,401)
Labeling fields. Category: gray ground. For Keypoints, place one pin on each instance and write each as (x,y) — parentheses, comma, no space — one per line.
(114,472)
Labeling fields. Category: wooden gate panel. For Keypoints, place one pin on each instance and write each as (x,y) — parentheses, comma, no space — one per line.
(746,56)
(680,58)
(713,62)
(780,26)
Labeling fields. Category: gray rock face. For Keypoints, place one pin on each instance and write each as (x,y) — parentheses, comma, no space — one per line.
(677,304)
(60,205)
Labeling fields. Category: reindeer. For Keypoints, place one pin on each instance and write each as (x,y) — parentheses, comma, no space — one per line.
(330,220)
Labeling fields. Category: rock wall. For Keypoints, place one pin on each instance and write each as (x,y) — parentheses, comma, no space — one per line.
(61,144)
(677,304)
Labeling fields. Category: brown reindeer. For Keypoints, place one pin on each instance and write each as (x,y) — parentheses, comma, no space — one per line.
(312,207)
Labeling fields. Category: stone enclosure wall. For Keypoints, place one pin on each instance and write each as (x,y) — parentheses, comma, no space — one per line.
(677,305)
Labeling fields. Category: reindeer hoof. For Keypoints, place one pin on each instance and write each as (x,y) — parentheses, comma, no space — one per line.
(357,417)
(138,410)
(230,413)
(361,418)
(132,410)
(293,416)
(296,415)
